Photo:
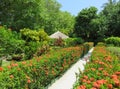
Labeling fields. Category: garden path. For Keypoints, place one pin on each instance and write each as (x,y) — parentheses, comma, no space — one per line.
(69,78)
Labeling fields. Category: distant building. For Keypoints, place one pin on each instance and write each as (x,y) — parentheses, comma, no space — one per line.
(58,34)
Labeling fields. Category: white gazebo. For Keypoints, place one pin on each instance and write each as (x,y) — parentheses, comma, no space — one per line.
(58,35)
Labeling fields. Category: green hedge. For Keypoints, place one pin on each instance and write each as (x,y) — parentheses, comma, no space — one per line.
(115,41)
(66,42)
(39,72)
(73,41)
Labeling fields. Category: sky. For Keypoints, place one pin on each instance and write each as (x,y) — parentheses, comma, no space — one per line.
(75,6)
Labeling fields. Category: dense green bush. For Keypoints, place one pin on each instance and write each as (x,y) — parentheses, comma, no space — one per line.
(35,49)
(34,35)
(113,41)
(73,41)
(66,42)
(10,42)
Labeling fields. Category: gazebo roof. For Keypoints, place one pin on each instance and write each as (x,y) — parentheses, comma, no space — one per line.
(58,34)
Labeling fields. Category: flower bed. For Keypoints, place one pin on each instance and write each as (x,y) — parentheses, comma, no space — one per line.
(39,72)
(103,72)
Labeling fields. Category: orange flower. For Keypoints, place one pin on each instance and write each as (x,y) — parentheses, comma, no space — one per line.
(117,82)
(100,69)
(28,81)
(9,67)
(91,79)
(23,62)
(93,69)
(14,64)
(85,77)
(117,73)
(114,76)
(88,81)
(11,76)
(102,81)
(109,86)
(96,85)
(105,73)
(84,80)
(1,69)
(81,87)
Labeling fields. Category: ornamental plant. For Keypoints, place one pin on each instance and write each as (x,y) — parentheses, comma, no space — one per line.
(102,72)
(39,72)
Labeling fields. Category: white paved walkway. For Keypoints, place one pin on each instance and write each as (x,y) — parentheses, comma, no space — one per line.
(69,78)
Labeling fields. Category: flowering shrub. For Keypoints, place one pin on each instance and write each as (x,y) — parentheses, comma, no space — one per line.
(103,72)
(39,72)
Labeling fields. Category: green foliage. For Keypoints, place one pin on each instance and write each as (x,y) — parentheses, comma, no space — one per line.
(114,50)
(33,49)
(83,20)
(34,35)
(35,14)
(99,71)
(10,43)
(113,40)
(39,72)
(73,41)
(111,12)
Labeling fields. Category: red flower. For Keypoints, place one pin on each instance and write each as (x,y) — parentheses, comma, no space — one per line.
(85,77)
(114,76)
(9,67)
(117,82)
(96,85)
(28,81)
(1,69)
(109,86)
(93,88)
(91,79)
(117,73)
(102,81)
(81,87)
(100,69)
(23,62)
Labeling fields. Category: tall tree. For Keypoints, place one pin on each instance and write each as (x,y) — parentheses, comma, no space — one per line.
(18,14)
(111,12)
(83,20)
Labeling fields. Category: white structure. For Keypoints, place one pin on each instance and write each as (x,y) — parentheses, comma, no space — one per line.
(58,34)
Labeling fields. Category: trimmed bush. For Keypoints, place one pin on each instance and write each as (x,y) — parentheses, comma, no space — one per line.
(39,72)
(73,41)
(113,41)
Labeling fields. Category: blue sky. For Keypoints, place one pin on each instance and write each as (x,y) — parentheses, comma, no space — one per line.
(75,6)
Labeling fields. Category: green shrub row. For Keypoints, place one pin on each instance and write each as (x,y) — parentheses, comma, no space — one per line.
(39,72)
(115,41)
(66,42)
